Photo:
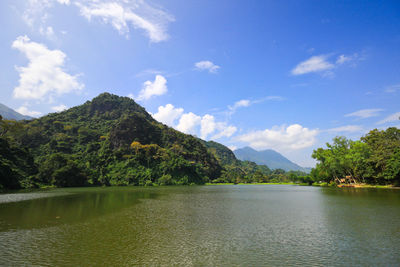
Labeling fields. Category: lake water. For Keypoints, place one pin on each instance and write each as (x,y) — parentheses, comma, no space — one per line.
(232,225)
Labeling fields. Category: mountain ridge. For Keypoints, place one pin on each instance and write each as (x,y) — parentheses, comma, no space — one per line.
(269,157)
(10,114)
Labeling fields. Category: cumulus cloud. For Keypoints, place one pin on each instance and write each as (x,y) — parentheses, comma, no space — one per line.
(44,75)
(59,108)
(168,114)
(191,123)
(207,65)
(209,126)
(281,138)
(365,113)
(391,118)
(155,88)
(124,14)
(347,128)
(24,111)
(225,131)
(188,123)
(313,64)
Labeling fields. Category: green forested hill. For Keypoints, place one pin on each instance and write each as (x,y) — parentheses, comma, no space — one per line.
(113,141)
(223,154)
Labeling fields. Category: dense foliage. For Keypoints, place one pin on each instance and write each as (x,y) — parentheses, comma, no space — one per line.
(107,141)
(375,159)
(113,141)
(237,171)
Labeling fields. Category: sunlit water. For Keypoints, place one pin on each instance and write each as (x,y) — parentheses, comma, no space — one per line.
(242,225)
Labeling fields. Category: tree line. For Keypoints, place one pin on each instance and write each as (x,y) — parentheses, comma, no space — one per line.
(374,159)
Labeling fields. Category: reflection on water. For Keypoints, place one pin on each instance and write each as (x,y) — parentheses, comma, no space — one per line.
(204,226)
(44,209)
(363,225)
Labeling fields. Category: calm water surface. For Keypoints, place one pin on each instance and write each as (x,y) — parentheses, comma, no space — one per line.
(243,225)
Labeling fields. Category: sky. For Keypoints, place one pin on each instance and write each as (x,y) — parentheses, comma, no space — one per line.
(282,75)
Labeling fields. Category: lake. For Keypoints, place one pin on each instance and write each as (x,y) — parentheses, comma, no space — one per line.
(222,225)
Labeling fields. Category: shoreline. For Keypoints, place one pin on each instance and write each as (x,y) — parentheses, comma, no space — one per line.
(46,188)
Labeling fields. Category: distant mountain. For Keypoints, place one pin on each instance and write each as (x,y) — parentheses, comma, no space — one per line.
(268,157)
(10,114)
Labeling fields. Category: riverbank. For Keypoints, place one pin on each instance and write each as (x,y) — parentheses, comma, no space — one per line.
(251,184)
(368,186)
(317,184)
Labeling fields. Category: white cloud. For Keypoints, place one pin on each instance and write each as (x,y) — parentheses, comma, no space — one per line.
(44,75)
(59,108)
(48,32)
(148,72)
(188,123)
(313,64)
(36,10)
(156,88)
(272,97)
(241,103)
(208,126)
(207,65)
(281,138)
(393,88)
(391,118)
(238,104)
(221,129)
(36,16)
(191,123)
(65,2)
(24,111)
(343,59)
(347,128)
(365,113)
(322,65)
(233,148)
(247,103)
(123,14)
(225,131)
(168,114)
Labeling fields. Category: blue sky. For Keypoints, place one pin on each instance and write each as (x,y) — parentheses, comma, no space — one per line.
(285,75)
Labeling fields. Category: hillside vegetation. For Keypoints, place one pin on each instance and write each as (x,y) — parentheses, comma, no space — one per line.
(111,140)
